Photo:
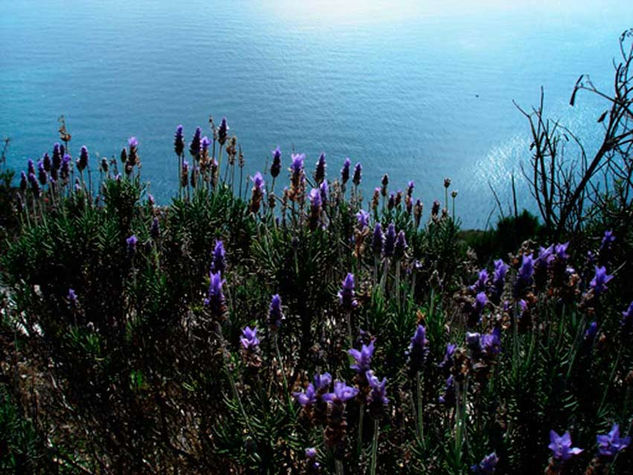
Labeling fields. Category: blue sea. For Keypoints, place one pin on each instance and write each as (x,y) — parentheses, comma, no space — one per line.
(420,90)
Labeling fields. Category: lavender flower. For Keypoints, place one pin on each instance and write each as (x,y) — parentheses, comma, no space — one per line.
(35,186)
(362,357)
(346,295)
(218,257)
(325,192)
(296,168)
(610,444)
(491,342)
(258,191)
(480,302)
(600,280)
(378,240)
(319,174)
(249,340)
(215,297)
(376,396)
(194,146)
(82,161)
(363,219)
(418,348)
(57,156)
(131,244)
(447,361)
(72,297)
(46,160)
(525,275)
(30,166)
(322,382)
(358,168)
(275,168)
(204,143)
(480,285)
(390,240)
(498,277)
(179,141)
(391,203)
(65,167)
(342,393)
(487,465)
(435,209)
(223,131)
(345,171)
(41,174)
(561,446)
(401,245)
(306,398)
(448,397)
(275,313)
(410,187)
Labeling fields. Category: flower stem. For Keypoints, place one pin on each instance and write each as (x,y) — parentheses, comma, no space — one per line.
(374,449)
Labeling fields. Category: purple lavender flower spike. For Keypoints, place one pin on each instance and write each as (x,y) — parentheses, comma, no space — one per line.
(401,245)
(498,277)
(358,169)
(46,160)
(35,186)
(131,244)
(524,276)
(418,348)
(447,362)
(319,174)
(448,397)
(215,298)
(72,297)
(610,444)
(41,174)
(325,192)
(487,465)
(322,381)
(377,394)
(204,143)
(82,161)
(132,142)
(297,163)
(275,167)
(560,251)
(473,341)
(435,209)
(249,340)
(218,261)
(306,398)
(491,342)
(345,171)
(390,240)
(194,146)
(30,166)
(362,218)
(346,295)
(362,357)
(480,302)
(480,285)
(600,280)
(223,131)
(258,183)
(561,446)
(342,393)
(275,313)
(410,187)
(315,199)
(179,141)
(311,452)
(377,240)
(57,156)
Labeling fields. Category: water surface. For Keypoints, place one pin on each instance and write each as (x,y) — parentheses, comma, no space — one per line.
(418,90)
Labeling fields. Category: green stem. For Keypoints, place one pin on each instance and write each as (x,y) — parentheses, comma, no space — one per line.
(361,415)
(374,448)
(420,404)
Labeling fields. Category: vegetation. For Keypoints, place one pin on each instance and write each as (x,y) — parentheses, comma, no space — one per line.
(305,329)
